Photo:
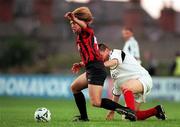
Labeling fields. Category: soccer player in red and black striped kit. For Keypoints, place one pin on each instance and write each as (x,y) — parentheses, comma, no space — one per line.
(95,73)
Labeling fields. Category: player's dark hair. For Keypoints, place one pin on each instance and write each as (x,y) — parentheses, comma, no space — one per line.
(128,28)
(102,47)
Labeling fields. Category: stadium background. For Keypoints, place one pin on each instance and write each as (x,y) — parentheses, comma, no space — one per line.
(37,51)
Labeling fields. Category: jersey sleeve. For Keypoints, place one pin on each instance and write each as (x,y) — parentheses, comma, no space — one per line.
(116,54)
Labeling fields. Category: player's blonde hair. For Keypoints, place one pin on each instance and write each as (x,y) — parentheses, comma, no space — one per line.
(83,13)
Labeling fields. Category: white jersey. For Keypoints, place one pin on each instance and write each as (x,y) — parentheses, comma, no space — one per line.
(128,68)
(131,47)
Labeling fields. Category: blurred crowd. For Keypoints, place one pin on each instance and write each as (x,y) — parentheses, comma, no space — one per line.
(34,37)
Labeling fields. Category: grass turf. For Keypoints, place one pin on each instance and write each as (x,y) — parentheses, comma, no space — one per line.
(18,112)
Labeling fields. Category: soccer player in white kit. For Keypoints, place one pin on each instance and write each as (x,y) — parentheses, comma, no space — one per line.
(131,80)
(131,45)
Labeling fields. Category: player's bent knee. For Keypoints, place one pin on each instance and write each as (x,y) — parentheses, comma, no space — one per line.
(124,88)
(73,89)
(96,103)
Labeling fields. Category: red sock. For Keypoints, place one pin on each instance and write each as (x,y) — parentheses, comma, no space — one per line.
(142,115)
(129,99)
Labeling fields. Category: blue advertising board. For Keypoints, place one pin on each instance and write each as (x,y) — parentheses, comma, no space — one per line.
(58,86)
(36,85)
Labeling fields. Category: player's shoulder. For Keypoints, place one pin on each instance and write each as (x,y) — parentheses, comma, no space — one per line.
(118,54)
(116,51)
(88,29)
(133,40)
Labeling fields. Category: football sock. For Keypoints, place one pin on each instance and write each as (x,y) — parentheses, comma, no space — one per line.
(81,104)
(109,104)
(129,99)
(142,115)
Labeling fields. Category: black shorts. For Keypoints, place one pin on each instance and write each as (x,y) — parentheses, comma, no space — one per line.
(96,73)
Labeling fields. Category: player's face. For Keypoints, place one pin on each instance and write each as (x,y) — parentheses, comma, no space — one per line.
(75,27)
(105,55)
(126,34)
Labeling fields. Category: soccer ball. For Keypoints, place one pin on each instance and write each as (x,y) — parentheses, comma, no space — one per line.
(42,115)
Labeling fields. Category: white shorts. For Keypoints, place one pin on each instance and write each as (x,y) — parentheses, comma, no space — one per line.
(146,81)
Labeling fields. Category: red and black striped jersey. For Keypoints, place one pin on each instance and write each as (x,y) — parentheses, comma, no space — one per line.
(87,45)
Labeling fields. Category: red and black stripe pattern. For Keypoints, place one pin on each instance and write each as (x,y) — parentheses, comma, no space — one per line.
(87,46)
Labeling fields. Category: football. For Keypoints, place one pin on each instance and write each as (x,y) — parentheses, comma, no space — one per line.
(42,115)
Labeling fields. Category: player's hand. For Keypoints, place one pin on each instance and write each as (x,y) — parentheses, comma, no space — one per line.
(76,67)
(110,115)
(69,15)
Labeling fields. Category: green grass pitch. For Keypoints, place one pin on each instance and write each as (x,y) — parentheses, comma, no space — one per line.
(18,112)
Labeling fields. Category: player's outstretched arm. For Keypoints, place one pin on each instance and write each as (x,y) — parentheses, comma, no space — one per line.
(71,17)
(111,63)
